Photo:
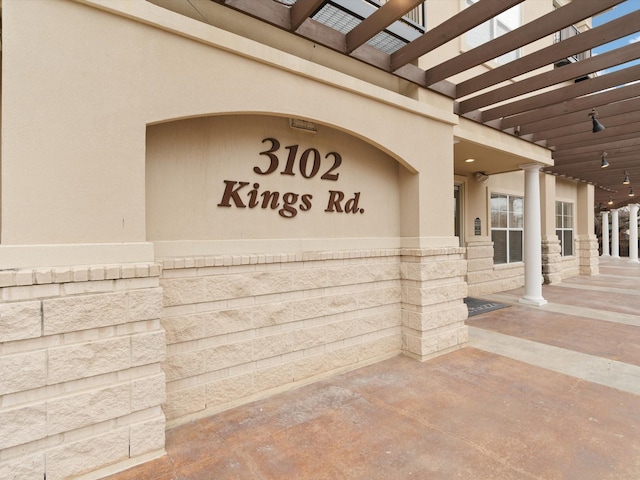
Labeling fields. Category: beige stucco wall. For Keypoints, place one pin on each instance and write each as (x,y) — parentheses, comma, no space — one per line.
(168,75)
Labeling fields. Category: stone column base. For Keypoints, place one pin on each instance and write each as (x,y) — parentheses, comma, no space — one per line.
(433,309)
(551,259)
(587,253)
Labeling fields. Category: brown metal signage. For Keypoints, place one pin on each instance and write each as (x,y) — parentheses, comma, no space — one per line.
(309,164)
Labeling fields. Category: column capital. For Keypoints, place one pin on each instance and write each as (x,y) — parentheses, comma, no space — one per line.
(530,166)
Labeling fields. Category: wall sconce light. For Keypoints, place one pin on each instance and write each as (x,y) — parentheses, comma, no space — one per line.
(631,194)
(482,177)
(303,125)
(603,160)
(626,180)
(597,126)
(610,202)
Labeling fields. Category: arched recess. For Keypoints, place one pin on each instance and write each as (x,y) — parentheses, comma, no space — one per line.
(247,183)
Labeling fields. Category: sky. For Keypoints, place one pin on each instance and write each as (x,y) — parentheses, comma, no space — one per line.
(618,11)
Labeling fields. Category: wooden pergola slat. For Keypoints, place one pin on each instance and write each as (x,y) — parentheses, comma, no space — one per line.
(577,104)
(532,31)
(301,10)
(569,92)
(554,77)
(378,21)
(467,19)
(608,32)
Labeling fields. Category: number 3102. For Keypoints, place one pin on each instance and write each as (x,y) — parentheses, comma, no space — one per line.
(308,163)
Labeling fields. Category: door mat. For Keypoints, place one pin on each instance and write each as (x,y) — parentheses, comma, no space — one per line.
(476,306)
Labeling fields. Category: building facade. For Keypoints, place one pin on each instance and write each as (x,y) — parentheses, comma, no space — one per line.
(199,210)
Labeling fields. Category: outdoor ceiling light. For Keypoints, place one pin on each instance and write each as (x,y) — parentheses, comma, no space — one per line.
(603,160)
(631,194)
(626,180)
(610,202)
(597,126)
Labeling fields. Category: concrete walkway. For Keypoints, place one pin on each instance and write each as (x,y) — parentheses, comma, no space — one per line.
(543,393)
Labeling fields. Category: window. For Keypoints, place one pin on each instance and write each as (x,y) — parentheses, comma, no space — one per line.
(507,224)
(499,25)
(564,227)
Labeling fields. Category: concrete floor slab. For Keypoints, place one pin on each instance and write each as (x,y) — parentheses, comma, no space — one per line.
(540,394)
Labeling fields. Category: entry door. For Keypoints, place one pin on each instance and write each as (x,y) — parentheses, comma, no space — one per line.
(457,212)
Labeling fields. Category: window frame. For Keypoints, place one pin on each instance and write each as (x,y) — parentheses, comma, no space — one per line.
(509,229)
(562,229)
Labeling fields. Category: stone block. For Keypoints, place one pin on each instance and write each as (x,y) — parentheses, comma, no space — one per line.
(87,408)
(222,322)
(43,276)
(29,467)
(96,273)
(23,371)
(229,389)
(183,328)
(148,392)
(184,365)
(112,272)
(432,318)
(433,270)
(435,294)
(479,264)
(265,283)
(376,297)
(147,437)
(380,346)
(311,278)
(22,425)
(80,274)
(268,314)
(279,344)
(325,362)
(427,345)
(72,459)
(20,320)
(343,275)
(7,278)
(24,277)
(74,361)
(184,401)
(272,377)
(145,304)
(82,312)
(182,291)
(62,274)
(226,287)
(228,355)
(148,348)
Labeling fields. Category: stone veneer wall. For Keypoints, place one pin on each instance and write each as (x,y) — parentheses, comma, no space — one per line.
(81,382)
(483,277)
(242,327)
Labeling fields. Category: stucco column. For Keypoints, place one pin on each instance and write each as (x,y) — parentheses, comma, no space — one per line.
(615,244)
(532,237)
(633,233)
(605,234)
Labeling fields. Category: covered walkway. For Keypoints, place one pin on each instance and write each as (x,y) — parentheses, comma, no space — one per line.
(549,392)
